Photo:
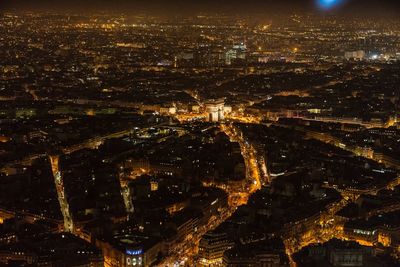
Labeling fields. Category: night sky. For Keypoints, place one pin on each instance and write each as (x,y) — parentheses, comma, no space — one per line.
(228,6)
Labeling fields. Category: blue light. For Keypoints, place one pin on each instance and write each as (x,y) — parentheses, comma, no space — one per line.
(134,252)
(328,4)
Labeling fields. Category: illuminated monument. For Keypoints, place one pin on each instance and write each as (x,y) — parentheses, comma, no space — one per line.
(215,110)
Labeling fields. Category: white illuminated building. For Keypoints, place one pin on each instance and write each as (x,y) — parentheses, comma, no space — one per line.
(215,110)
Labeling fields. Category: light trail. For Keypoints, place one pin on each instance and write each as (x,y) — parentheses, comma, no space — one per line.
(62,198)
(253,173)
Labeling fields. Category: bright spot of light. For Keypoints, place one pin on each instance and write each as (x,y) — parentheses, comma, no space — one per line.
(329,4)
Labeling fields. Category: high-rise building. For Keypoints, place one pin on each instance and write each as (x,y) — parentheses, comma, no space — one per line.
(238,51)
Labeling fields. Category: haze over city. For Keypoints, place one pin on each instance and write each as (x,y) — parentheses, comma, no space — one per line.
(354,7)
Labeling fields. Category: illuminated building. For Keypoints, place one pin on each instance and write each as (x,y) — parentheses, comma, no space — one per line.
(230,55)
(364,235)
(168,110)
(215,110)
(384,239)
(237,52)
(131,250)
(153,185)
(134,257)
(355,55)
(212,247)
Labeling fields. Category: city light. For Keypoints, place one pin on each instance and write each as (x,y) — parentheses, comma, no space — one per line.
(200,134)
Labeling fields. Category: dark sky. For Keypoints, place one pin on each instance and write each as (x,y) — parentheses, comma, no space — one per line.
(379,7)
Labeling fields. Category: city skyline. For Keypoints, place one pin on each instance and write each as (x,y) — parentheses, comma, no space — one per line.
(200,134)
